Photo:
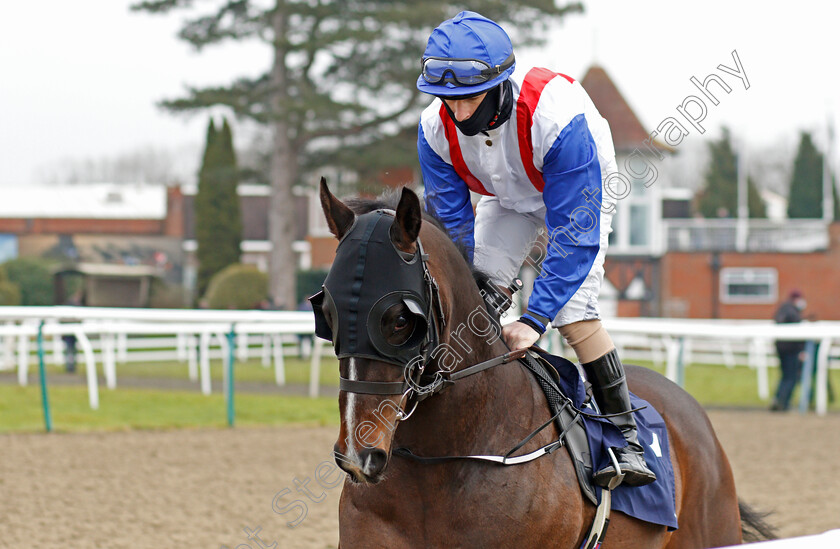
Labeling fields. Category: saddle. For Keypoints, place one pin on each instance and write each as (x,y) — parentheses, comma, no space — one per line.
(583,431)
(569,421)
(654,503)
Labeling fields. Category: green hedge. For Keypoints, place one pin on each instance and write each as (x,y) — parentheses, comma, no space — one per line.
(33,276)
(9,291)
(237,286)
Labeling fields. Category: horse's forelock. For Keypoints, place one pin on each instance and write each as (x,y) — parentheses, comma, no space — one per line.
(389,200)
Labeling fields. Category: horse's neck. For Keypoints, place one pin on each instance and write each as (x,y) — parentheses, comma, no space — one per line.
(482,407)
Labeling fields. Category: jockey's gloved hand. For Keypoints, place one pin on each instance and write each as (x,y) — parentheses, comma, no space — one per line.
(519,335)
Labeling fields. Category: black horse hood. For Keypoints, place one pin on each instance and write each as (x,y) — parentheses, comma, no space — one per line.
(369,276)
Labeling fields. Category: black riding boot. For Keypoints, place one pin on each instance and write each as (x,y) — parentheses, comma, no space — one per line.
(609,387)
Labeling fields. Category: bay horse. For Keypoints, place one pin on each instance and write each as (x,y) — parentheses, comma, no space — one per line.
(392,502)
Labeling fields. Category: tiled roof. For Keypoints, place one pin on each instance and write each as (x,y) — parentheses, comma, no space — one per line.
(627,132)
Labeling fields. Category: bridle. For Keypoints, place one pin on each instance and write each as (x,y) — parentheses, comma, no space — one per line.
(417,386)
(415,382)
(408,283)
(422,299)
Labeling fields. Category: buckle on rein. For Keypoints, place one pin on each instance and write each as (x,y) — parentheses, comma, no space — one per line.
(416,390)
(401,415)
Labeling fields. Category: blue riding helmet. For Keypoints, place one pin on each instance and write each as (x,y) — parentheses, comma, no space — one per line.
(466,55)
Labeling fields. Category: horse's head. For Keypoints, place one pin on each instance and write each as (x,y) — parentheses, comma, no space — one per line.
(381,309)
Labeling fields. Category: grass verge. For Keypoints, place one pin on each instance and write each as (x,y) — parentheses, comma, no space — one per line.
(716,385)
(297,370)
(126,408)
(122,409)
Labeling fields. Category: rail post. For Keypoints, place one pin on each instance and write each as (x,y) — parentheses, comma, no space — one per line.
(231,337)
(42,373)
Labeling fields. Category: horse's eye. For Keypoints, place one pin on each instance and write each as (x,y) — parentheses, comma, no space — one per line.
(401,323)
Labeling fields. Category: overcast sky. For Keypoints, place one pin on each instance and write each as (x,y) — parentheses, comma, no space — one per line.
(79,80)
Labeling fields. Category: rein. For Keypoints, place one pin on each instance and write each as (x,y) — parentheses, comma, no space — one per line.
(400,387)
(413,372)
(508,458)
(404,388)
(421,295)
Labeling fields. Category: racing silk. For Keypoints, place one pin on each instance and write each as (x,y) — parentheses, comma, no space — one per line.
(554,153)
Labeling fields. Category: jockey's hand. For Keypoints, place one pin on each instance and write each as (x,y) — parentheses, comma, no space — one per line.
(519,336)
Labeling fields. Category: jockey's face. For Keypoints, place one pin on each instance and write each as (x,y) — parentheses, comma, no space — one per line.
(462,109)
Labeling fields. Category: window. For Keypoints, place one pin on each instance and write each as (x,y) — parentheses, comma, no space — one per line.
(615,238)
(639,225)
(749,285)
(8,247)
(637,210)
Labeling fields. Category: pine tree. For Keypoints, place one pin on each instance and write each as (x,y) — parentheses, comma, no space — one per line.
(230,212)
(343,74)
(755,204)
(218,218)
(836,216)
(805,199)
(719,196)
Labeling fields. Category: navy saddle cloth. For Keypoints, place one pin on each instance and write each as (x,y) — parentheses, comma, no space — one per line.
(653,503)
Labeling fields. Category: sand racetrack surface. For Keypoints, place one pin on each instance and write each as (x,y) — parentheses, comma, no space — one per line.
(201,488)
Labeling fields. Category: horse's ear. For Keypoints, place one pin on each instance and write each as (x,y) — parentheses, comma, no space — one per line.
(339,216)
(406,226)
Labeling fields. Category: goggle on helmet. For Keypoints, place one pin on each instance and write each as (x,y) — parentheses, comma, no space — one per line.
(466,55)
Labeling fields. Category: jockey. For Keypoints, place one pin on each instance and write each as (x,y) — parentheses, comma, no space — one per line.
(538,151)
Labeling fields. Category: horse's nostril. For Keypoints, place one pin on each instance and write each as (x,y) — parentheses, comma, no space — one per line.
(341,460)
(373,461)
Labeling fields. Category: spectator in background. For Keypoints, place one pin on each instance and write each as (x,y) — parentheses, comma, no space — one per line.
(791,353)
(77,300)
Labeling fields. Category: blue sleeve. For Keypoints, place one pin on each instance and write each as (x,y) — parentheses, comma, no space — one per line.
(572,197)
(446,195)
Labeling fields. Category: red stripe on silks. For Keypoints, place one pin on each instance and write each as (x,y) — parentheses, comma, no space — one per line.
(529,95)
(569,78)
(457,157)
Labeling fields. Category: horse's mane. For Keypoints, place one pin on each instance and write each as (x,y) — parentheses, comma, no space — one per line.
(389,199)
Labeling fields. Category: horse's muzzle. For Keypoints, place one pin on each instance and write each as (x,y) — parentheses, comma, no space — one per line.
(366,468)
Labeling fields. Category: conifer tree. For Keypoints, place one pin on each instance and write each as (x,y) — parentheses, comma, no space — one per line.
(719,196)
(343,75)
(805,199)
(218,219)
